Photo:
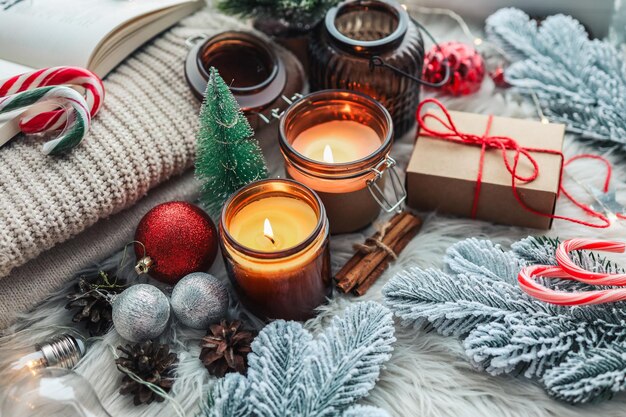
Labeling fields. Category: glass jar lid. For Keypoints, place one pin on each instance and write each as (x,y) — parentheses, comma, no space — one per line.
(367,27)
(246,62)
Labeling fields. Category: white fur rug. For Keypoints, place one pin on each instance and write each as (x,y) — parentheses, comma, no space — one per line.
(428,375)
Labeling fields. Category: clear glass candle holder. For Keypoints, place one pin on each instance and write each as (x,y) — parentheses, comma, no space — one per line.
(352,192)
(284,284)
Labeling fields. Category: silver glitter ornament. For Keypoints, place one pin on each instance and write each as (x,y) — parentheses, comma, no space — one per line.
(141,313)
(199,299)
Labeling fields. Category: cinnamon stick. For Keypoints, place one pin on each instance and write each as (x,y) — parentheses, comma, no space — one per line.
(382,267)
(371,260)
(365,266)
(359,255)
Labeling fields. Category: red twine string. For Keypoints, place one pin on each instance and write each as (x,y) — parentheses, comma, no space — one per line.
(450,133)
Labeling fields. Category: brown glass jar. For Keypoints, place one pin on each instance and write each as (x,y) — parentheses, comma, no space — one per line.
(260,75)
(342,47)
(352,192)
(287,283)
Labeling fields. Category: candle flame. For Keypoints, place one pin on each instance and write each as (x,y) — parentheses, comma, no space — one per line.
(267,231)
(328,154)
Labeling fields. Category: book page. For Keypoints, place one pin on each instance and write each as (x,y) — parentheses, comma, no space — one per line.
(8,121)
(9,69)
(46,33)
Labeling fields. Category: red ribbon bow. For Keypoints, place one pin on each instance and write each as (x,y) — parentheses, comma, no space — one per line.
(451,133)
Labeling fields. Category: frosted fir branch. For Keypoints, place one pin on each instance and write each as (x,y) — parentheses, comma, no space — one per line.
(229,397)
(579,82)
(593,375)
(483,257)
(365,411)
(291,373)
(504,330)
(293,344)
(351,353)
(530,344)
(454,304)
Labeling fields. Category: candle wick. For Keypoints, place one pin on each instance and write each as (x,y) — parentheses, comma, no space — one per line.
(271,239)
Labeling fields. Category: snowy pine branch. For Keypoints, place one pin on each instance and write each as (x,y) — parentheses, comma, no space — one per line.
(364,411)
(503,329)
(579,82)
(454,304)
(292,374)
(589,376)
(483,257)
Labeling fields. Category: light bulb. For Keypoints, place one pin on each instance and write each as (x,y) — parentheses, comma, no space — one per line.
(41,383)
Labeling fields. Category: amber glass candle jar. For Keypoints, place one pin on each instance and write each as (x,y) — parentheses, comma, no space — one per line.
(343,45)
(351,189)
(283,273)
(258,73)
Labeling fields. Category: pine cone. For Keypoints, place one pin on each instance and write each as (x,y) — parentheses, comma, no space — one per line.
(225,348)
(95,309)
(153,363)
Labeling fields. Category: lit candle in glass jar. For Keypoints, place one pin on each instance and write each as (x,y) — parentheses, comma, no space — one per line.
(274,237)
(273,224)
(337,142)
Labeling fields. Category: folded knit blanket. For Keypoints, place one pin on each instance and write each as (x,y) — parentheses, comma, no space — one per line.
(144,134)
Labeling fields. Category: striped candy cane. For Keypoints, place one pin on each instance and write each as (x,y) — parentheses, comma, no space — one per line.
(567,269)
(79,119)
(594,278)
(43,120)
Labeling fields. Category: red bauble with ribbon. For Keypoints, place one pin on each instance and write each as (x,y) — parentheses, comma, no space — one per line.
(467,68)
(175,239)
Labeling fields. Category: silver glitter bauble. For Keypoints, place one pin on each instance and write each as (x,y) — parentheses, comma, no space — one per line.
(199,299)
(140,313)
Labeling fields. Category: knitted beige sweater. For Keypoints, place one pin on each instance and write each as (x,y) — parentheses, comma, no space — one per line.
(143,135)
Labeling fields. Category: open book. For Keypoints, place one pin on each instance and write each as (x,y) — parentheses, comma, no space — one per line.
(93,34)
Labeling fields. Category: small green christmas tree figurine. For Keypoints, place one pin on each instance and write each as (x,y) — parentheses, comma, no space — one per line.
(295,12)
(228,157)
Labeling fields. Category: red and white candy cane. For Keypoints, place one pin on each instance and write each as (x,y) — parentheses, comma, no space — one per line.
(41,120)
(567,269)
(594,278)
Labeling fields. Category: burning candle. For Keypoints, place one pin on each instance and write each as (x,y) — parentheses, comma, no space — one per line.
(337,142)
(273,224)
(274,237)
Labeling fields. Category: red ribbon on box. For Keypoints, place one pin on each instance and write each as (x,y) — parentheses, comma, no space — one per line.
(451,133)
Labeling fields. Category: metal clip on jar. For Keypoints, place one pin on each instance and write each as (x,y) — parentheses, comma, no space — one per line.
(287,281)
(343,45)
(352,192)
(261,76)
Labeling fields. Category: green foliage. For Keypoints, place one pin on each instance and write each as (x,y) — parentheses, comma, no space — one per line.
(578,352)
(293,374)
(579,82)
(591,375)
(292,12)
(228,157)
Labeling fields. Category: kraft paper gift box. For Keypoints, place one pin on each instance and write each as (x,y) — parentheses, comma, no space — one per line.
(442,175)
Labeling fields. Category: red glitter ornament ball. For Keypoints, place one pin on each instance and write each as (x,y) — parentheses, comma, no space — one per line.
(179,239)
(466,65)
